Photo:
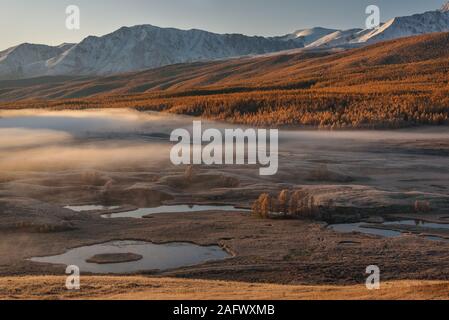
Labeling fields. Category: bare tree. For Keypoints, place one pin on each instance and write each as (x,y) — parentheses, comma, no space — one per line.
(312,207)
(189,173)
(422,206)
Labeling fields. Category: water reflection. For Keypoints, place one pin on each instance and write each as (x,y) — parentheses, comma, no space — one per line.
(142,212)
(419,223)
(154,257)
(90,208)
(359,227)
(364,228)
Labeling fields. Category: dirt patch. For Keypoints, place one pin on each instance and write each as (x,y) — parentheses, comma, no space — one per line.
(111,258)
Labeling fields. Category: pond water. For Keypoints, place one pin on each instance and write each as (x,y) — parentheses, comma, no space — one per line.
(436,238)
(357,227)
(142,212)
(419,223)
(364,228)
(90,208)
(154,256)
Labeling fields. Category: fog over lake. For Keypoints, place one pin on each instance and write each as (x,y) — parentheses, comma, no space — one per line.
(121,138)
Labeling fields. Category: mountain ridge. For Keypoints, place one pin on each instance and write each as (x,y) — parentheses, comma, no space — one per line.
(135,48)
(141,47)
(288,71)
(391,84)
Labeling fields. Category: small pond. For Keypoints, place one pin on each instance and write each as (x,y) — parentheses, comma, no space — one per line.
(154,256)
(419,223)
(357,227)
(90,208)
(364,228)
(142,212)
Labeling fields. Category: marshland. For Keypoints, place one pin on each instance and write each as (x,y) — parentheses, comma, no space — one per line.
(81,180)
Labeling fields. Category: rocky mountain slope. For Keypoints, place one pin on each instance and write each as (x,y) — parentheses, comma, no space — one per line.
(132,49)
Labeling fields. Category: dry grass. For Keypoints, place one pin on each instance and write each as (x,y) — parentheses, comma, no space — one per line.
(146,288)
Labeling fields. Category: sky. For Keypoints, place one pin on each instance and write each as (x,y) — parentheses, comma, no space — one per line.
(43,21)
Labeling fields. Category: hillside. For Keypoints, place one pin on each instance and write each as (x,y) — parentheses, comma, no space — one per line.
(142,47)
(132,49)
(391,84)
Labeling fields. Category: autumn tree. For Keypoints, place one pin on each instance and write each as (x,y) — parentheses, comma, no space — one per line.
(262,206)
(283,202)
(265,206)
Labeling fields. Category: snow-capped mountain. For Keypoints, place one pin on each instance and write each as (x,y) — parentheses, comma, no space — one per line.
(132,49)
(25,60)
(337,38)
(427,22)
(308,36)
(145,47)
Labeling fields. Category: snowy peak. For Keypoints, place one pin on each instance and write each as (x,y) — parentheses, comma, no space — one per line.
(311,35)
(337,38)
(428,22)
(133,49)
(26,60)
(145,46)
(29,52)
(399,27)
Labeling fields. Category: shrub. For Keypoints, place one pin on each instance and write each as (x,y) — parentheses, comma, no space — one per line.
(422,206)
(262,206)
(297,204)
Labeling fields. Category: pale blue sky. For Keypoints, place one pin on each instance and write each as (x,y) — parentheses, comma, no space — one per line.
(43,21)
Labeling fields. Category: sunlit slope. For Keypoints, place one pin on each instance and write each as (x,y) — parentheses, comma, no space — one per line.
(392,84)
